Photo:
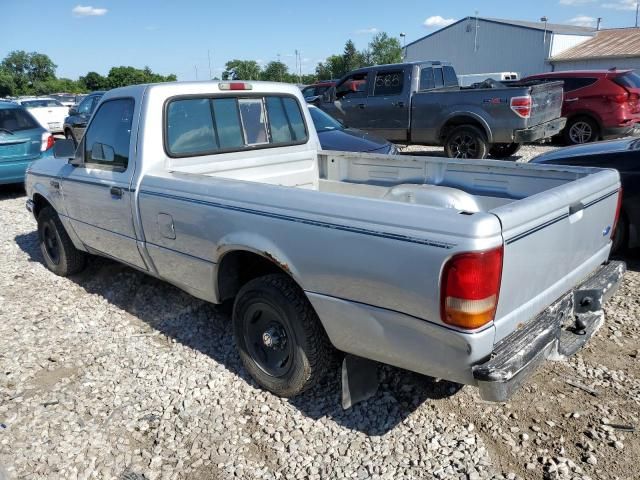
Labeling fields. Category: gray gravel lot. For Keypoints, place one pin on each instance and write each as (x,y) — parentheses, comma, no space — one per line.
(113,374)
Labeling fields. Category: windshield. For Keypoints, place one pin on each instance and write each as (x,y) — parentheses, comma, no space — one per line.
(323,121)
(45,102)
(15,119)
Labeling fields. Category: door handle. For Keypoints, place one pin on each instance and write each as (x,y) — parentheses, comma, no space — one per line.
(55,184)
(399,104)
(362,105)
(571,100)
(116,192)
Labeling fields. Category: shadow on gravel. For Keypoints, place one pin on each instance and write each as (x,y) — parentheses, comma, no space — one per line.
(14,190)
(207,328)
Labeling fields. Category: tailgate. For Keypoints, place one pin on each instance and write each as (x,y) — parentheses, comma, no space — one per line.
(547,102)
(552,240)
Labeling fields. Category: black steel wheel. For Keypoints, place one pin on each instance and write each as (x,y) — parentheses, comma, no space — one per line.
(279,336)
(504,150)
(60,255)
(466,142)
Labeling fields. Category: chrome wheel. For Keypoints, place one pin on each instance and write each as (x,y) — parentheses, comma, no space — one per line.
(581,132)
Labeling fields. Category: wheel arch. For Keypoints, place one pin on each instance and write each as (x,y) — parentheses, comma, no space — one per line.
(238,265)
(467,118)
(40,202)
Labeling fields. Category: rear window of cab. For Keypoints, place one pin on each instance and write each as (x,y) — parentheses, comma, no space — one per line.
(207,125)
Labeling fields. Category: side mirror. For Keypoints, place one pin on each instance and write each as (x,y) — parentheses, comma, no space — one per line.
(73,111)
(64,148)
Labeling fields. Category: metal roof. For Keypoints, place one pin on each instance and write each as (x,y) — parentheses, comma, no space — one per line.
(550,27)
(622,42)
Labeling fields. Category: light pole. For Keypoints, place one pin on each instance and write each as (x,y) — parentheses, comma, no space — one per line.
(403,36)
(544,44)
(637,9)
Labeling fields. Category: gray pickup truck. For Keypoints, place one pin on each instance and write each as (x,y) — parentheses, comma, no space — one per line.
(468,270)
(421,103)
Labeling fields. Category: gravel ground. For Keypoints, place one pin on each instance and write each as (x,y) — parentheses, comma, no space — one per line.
(113,374)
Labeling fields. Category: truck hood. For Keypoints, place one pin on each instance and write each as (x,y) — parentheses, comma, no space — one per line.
(352,140)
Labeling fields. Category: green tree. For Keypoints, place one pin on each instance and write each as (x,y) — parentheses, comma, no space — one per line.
(7,84)
(93,81)
(276,72)
(16,64)
(241,70)
(41,67)
(384,49)
(352,58)
(123,76)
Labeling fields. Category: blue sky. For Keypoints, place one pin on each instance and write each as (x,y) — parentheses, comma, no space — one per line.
(174,37)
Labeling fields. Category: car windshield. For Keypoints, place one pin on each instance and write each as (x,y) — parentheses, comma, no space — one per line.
(15,119)
(323,121)
(44,102)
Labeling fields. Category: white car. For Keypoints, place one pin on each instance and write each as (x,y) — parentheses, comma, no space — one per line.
(49,112)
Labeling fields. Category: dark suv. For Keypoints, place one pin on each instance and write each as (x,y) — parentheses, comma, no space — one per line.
(598,104)
(76,123)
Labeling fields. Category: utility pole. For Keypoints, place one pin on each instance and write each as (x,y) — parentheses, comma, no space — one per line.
(209,58)
(598,24)
(637,9)
(475,41)
(196,68)
(280,70)
(403,36)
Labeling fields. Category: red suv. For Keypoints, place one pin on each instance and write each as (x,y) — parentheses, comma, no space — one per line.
(598,104)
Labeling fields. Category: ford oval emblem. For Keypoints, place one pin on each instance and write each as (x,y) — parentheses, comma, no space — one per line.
(606,231)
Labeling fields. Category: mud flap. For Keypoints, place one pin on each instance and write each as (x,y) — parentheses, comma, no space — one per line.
(359,380)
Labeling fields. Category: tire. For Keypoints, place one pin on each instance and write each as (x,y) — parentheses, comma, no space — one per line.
(620,236)
(60,256)
(279,336)
(465,142)
(504,150)
(580,130)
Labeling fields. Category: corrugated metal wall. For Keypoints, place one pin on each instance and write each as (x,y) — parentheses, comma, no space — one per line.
(499,48)
(598,64)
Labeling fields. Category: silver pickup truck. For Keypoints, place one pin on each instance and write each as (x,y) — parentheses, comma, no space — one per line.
(471,271)
(421,103)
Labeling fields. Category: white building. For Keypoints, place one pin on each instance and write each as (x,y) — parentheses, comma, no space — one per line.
(480,45)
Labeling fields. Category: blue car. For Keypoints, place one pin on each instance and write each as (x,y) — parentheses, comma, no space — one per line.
(22,140)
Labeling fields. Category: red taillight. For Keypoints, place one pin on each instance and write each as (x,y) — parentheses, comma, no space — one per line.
(617,217)
(522,106)
(619,98)
(47,141)
(470,287)
(235,86)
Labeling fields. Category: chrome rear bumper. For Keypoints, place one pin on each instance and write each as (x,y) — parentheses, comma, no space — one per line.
(563,328)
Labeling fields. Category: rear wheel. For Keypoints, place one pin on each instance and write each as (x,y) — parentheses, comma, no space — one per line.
(465,142)
(580,130)
(279,336)
(60,256)
(504,150)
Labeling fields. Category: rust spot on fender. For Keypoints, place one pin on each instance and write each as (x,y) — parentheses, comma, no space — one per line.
(282,265)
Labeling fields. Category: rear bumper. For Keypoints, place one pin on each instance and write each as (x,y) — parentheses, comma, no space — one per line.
(13,171)
(538,132)
(562,329)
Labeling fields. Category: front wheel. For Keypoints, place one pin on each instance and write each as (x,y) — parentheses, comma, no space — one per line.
(60,256)
(279,336)
(466,142)
(504,150)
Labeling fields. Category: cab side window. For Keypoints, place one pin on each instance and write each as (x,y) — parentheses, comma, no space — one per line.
(106,142)
(388,83)
(86,106)
(354,86)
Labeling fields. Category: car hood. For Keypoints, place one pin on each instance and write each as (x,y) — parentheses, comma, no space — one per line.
(351,140)
(611,146)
